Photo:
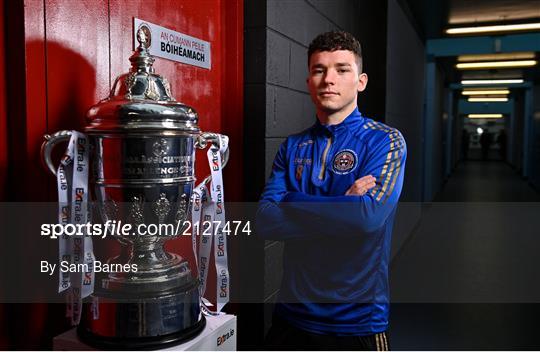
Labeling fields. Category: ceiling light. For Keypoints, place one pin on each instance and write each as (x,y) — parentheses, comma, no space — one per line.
(486,92)
(490,81)
(499,56)
(485,116)
(486,100)
(495,64)
(498,28)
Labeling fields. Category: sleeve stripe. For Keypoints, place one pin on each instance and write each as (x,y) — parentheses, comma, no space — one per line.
(385,167)
(386,172)
(396,172)
(390,169)
(392,185)
(392,166)
(374,125)
(383,172)
(388,176)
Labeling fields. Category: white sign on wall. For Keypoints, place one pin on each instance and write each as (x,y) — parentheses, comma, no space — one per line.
(175,46)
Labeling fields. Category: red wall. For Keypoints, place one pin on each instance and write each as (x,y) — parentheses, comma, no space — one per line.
(3,118)
(73,51)
(89,42)
(3,149)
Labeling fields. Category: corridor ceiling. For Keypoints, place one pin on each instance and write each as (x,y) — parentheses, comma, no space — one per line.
(433,17)
(492,11)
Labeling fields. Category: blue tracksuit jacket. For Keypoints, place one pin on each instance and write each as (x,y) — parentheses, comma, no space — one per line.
(337,247)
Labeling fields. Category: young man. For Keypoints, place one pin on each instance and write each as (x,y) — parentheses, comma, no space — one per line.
(332,198)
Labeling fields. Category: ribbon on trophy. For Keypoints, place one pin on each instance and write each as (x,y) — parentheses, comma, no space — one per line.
(72,181)
(202,214)
(210,208)
(197,197)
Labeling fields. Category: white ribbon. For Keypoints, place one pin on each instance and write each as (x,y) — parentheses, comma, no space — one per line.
(64,242)
(220,243)
(196,208)
(72,180)
(212,210)
(208,213)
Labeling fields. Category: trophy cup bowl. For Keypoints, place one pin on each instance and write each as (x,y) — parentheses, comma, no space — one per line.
(142,158)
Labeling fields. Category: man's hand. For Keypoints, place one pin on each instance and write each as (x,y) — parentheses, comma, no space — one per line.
(361,186)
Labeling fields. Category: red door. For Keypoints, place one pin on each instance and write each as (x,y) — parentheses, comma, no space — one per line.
(72,50)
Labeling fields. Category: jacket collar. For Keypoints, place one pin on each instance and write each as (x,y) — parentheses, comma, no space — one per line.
(353,119)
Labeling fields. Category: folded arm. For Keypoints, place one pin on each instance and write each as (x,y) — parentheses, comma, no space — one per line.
(284,214)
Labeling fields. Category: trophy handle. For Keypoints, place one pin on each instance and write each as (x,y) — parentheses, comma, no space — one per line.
(202,142)
(50,142)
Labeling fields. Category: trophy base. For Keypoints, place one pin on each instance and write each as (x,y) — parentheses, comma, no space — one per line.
(154,320)
(141,343)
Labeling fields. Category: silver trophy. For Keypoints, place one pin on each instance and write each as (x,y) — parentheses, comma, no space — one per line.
(142,160)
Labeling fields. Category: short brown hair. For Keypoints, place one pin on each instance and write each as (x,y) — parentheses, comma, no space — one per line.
(336,40)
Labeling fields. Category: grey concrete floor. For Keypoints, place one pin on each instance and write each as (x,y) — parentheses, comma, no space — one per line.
(468,278)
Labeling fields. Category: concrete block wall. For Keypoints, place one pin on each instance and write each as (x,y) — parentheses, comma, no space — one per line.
(290,27)
(277,103)
(404,111)
(277,35)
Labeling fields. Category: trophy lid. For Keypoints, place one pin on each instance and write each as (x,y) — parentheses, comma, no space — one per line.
(141,100)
